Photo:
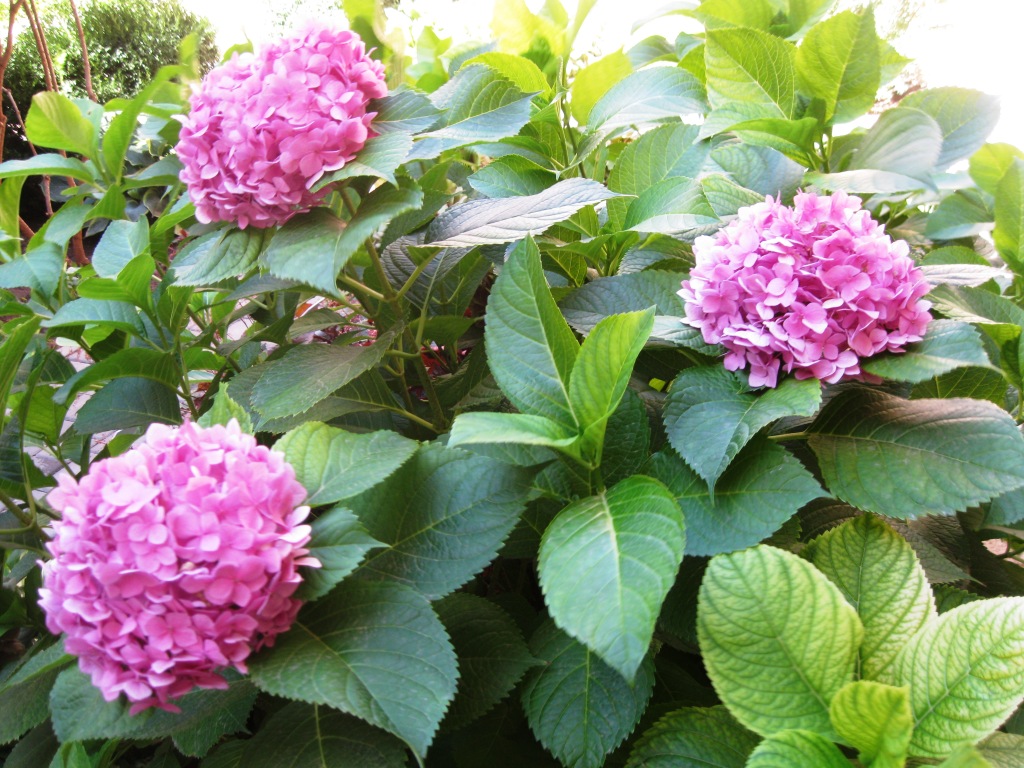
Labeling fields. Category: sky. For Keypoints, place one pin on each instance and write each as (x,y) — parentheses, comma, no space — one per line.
(968,43)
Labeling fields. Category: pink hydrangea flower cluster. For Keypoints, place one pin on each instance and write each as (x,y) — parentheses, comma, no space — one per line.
(810,289)
(264,128)
(175,559)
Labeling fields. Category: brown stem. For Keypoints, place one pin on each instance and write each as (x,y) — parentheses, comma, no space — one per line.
(5,59)
(26,230)
(85,52)
(21,121)
(44,50)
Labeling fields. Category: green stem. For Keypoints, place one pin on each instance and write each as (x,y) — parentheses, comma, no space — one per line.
(789,436)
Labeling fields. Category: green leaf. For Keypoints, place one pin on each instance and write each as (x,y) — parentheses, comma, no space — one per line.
(333,464)
(710,414)
(444,515)
(403,111)
(374,650)
(478,222)
(1003,750)
(751,75)
(135,361)
(79,711)
(480,105)
(967,757)
(307,374)
(493,656)
(594,80)
(602,372)
(976,305)
(224,410)
(791,138)
(577,706)
(734,13)
(218,256)
(606,563)
(965,117)
(876,720)
(530,349)
(112,314)
(879,575)
(988,165)
(127,403)
(906,458)
(303,736)
(39,269)
(11,351)
(946,345)
(380,157)
(666,152)
(511,176)
(649,96)
(313,248)
(122,241)
(672,206)
(1009,216)
(867,181)
(339,543)
(37,749)
(962,214)
(484,427)
(520,70)
(47,165)
(760,491)
(56,122)
(797,749)
(902,141)
(604,297)
(839,63)
(24,695)
(965,674)
(694,737)
(759,621)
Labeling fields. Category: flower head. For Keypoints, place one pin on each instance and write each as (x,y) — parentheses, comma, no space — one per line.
(811,289)
(264,128)
(175,559)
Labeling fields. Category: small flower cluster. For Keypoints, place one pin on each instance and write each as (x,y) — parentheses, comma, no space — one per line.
(175,559)
(810,289)
(264,128)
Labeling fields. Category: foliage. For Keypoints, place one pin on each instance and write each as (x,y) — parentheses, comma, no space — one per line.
(127,43)
(553,528)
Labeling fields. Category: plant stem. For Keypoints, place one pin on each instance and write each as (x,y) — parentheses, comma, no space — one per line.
(789,436)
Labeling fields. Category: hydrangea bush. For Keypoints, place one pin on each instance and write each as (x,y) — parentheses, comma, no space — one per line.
(496,406)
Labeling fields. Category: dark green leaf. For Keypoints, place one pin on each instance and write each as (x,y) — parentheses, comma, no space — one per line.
(122,241)
(25,694)
(480,105)
(902,141)
(314,247)
(492,654)
(304,736)
(79,711)
(305,375)
(135,361)
(672,206)
(111,314)
(907,458)
(126,403)
(380,157)
(374,650)
(404,111)
(511,176)
(39,269)
(710,414)
(694,738)
(217,256)
(947,345)
(577,706)
(339,543)
(443,516)
(333,464)
(763,488)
